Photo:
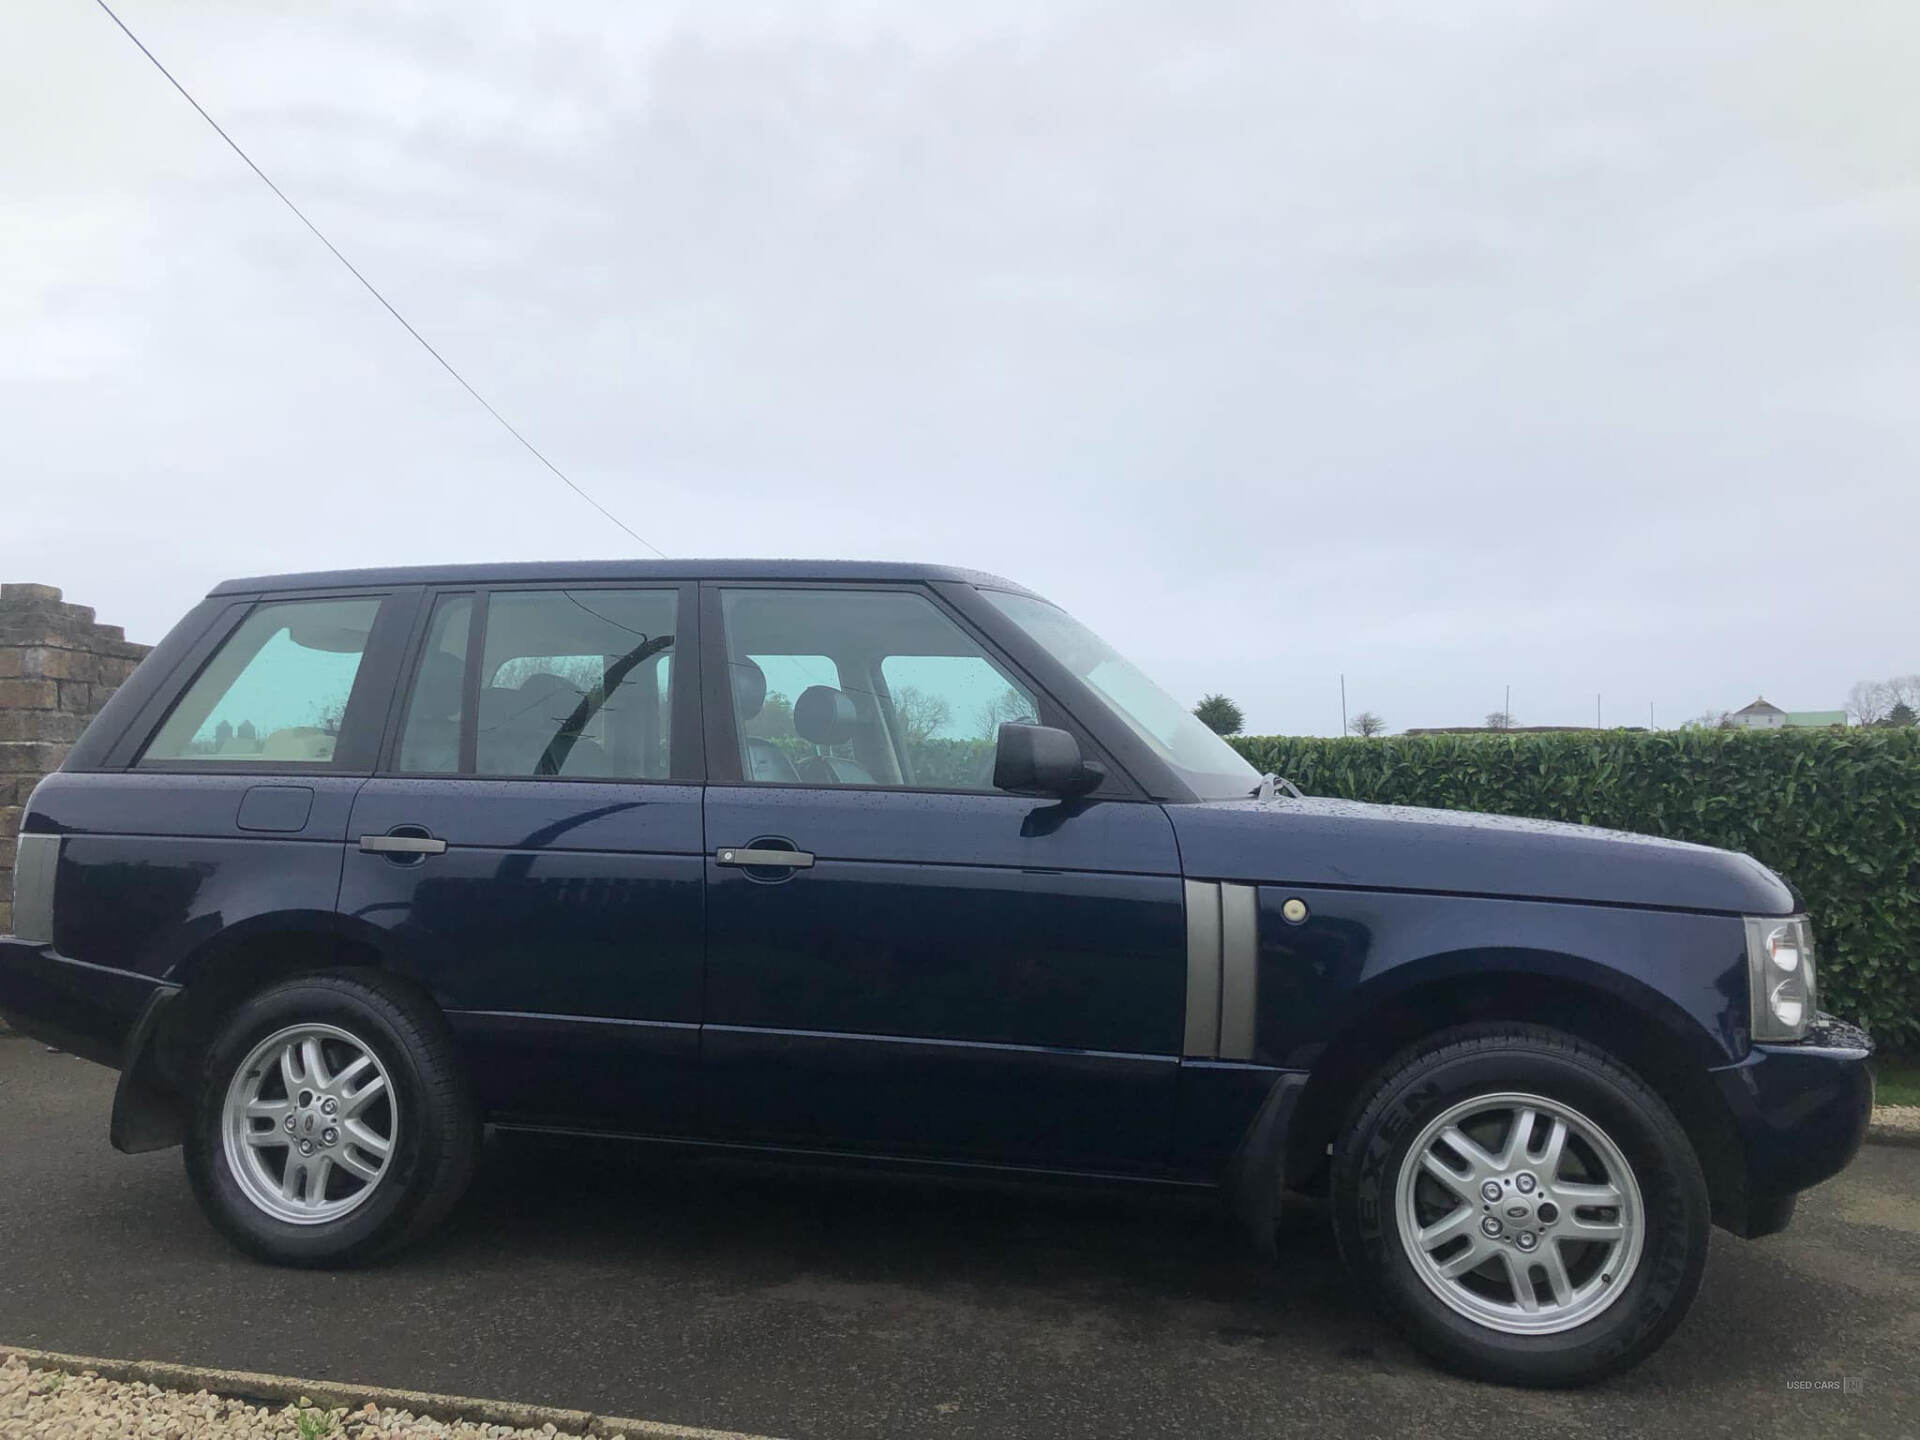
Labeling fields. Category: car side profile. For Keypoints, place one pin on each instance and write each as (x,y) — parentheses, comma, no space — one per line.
(893,863)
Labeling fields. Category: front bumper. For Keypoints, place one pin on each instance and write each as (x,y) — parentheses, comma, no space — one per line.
(1800,1112)
(87,1010)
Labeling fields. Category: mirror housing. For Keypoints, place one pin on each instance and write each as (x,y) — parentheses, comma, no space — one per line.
(1038,759)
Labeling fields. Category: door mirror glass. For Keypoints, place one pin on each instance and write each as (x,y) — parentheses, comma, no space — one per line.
(1038,759)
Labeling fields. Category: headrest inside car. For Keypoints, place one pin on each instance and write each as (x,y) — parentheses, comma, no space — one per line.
(749,688)
(824,715)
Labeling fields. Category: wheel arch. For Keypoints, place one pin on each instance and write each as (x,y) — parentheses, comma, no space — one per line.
(204,987)
(1640,1028)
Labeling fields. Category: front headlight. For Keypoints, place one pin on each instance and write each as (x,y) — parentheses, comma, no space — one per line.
(1780,967)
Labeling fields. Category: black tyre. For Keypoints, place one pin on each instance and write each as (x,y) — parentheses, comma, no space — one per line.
(332,1122)
(1521,1206)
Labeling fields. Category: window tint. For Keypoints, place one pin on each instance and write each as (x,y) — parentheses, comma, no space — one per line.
(430,744)
(843,687)
(275,692)
(577,683)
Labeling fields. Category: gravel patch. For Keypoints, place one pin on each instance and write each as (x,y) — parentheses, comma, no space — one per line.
(1895,1124)
(55,1405)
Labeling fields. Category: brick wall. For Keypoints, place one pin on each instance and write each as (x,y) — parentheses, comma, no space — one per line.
(57,668)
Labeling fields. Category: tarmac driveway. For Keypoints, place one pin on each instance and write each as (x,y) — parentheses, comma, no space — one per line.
(588,1274)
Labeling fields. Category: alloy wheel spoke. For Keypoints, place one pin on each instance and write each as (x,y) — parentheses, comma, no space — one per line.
(343,1079)
(1549,1259)
(1514,1152)
(292,1181)
(1456,1183)
(1468,1259)
(348,1158)
(1556,1146)
(1522,1282)
(1479,1161)
(351,1105)
(317,1181)
(1600,1231)
(314,1062)
(1570,1194)
(267,1139)
(275,1110)
(291,1073)
(1454,1222)
(368,1139)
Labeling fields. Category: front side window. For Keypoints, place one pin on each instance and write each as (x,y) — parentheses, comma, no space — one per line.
(577,683)
(866,687)
(275,692)
(1212,767)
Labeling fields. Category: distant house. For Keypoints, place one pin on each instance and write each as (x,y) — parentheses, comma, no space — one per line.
(1762,714)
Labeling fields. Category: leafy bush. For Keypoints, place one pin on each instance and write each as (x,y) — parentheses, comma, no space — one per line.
(1835,812)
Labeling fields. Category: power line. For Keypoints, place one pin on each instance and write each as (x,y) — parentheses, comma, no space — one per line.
(372,290)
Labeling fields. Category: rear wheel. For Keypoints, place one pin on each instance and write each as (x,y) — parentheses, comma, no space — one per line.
(331,1122)
(1522,1206)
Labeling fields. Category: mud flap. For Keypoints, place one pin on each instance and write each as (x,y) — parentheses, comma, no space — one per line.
(148,1113)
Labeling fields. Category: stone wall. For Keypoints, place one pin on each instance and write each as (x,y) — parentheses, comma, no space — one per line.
(57,668)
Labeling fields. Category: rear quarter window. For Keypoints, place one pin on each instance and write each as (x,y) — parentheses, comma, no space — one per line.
(275,691)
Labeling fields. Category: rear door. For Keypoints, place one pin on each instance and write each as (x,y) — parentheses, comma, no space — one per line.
(531,848)
(221,809)
(900,958)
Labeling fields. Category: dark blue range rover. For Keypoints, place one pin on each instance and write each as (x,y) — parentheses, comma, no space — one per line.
(901,862)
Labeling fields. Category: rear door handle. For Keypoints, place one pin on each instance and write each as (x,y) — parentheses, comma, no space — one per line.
(402,845)
(791,859)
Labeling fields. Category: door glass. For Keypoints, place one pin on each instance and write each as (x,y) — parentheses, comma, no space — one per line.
(577,683)
(430,744)
(275,692)
(845,687)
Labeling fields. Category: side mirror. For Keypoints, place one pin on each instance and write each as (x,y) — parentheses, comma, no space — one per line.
(1040,759)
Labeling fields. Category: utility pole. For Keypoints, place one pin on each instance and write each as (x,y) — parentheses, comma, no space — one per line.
(1343,705)
(1650,724)
(1506,707)
(1596,713)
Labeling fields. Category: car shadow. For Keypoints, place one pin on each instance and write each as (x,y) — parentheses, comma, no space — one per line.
(825,1230)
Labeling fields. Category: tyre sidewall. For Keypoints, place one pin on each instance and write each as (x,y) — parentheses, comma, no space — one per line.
(370,1017)
(1673,1203)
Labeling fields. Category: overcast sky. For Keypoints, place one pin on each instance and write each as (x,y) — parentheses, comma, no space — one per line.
(1568,347)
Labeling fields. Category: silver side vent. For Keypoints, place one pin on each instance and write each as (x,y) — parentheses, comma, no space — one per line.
(34,864)
(1223,977)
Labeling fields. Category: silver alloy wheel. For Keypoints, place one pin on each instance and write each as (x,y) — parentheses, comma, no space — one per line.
(1520,1213)
(309,1124)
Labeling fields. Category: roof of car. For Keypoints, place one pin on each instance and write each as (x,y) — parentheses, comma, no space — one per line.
(547,571)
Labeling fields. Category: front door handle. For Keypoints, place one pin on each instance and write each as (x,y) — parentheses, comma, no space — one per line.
(402,845)
(742,855)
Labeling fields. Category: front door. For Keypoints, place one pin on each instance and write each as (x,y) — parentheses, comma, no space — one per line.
(531,850)
(900,958)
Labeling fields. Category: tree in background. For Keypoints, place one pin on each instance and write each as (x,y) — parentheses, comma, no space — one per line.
(1869,701)
(922,715)
(1499,720)
(775,720)
(1901,714)
(1008,707)
(1366,723)
(1219,714)
(1710,720)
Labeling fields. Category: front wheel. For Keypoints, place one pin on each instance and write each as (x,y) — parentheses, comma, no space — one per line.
(1523,1207)
(331,1122)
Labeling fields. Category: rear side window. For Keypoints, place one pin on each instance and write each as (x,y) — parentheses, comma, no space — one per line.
(275,692)
(577,684)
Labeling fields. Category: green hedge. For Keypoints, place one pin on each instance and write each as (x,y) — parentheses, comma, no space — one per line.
(1836,812)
